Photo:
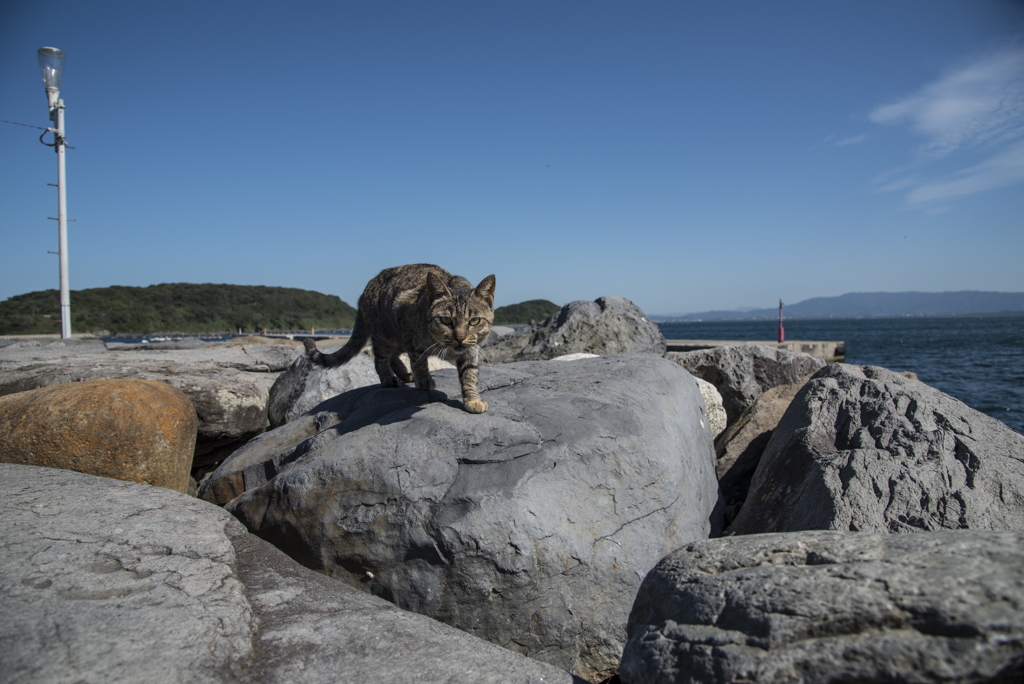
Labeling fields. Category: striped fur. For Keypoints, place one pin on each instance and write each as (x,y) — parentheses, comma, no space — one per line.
(424,311)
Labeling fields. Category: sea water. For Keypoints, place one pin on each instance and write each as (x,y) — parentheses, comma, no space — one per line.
(979,360)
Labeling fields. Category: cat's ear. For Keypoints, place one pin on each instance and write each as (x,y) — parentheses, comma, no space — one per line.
(436,287)
(486,289)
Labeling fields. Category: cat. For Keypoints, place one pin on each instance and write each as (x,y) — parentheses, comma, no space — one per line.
(423,310)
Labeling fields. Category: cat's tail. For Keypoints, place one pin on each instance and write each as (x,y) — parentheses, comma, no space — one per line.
(354,345)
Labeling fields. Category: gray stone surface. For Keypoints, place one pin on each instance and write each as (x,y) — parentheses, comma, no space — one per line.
(229,386)
(530,525)
(739,447)
(741,373)
(304,385)
(497,332)
(866,449)
(713,405)
(608,325)
(108,581)
(816,607)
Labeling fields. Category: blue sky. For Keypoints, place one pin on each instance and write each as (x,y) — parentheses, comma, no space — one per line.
(686,155)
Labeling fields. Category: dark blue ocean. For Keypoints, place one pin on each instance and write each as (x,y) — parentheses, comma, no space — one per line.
(978,360)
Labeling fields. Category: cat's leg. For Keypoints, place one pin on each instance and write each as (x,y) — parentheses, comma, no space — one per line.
(398,366)
(382,363)
(421,369)
(468,372)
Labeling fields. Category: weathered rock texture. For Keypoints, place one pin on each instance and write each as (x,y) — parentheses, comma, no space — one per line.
(866,449)
(530,525)
(304,385)
(608,325)
(739,447)
(228,386)
(135,430)
(713,405)
(833,607)
(743,372)
(107,581)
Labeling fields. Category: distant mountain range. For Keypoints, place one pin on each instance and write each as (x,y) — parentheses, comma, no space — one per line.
(876,305)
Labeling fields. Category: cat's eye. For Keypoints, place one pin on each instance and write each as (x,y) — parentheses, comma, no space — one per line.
(445,321)
(474,321)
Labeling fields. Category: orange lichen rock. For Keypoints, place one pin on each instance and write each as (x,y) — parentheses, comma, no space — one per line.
(134,430)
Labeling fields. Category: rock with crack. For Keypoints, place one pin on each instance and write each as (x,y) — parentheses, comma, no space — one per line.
(109,581)
(608,325)
(867,449)
(228,386)
(530,525)
(833,607)
(742,372)
(739,447)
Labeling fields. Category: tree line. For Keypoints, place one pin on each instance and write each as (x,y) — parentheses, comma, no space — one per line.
(201,308)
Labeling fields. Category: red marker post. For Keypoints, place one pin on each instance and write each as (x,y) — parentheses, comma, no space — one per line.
(782,333)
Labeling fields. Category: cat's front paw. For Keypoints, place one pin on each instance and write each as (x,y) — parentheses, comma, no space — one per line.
(391,382)
(475,405)
(426,383)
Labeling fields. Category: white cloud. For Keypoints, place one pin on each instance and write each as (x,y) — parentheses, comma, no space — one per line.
(999,171)
(975,104)
(978,106)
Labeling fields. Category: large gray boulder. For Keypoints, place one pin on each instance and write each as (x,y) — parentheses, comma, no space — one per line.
(304,385)
(109,581)
(742,372)
(530,525)
(228,385)
(867,449)
(833,607)
(608,325)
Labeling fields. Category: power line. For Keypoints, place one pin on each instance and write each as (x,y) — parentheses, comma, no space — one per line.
(26,125)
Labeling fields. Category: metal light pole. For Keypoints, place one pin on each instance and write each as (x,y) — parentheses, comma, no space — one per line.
(51,66)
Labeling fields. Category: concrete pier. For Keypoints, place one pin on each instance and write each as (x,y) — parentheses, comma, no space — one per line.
(830,351)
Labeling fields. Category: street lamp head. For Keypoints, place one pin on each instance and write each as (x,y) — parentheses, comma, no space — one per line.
(51,67)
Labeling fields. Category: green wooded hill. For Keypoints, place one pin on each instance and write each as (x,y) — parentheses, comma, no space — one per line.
(524,312)
(176,307)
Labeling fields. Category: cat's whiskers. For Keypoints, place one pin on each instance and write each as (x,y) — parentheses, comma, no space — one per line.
(427,352)
(480,356)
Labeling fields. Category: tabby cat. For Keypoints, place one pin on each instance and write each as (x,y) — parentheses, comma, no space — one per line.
(422,310)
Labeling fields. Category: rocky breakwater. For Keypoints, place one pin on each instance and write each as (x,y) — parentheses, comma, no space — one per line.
(531,525)
(866,449)
(897,552)
(742,373)
(608,325)
(229,386)
(833,607)
(109,581)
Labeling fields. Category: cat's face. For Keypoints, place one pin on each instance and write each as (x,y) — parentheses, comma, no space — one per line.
(460,323)
(461,320)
